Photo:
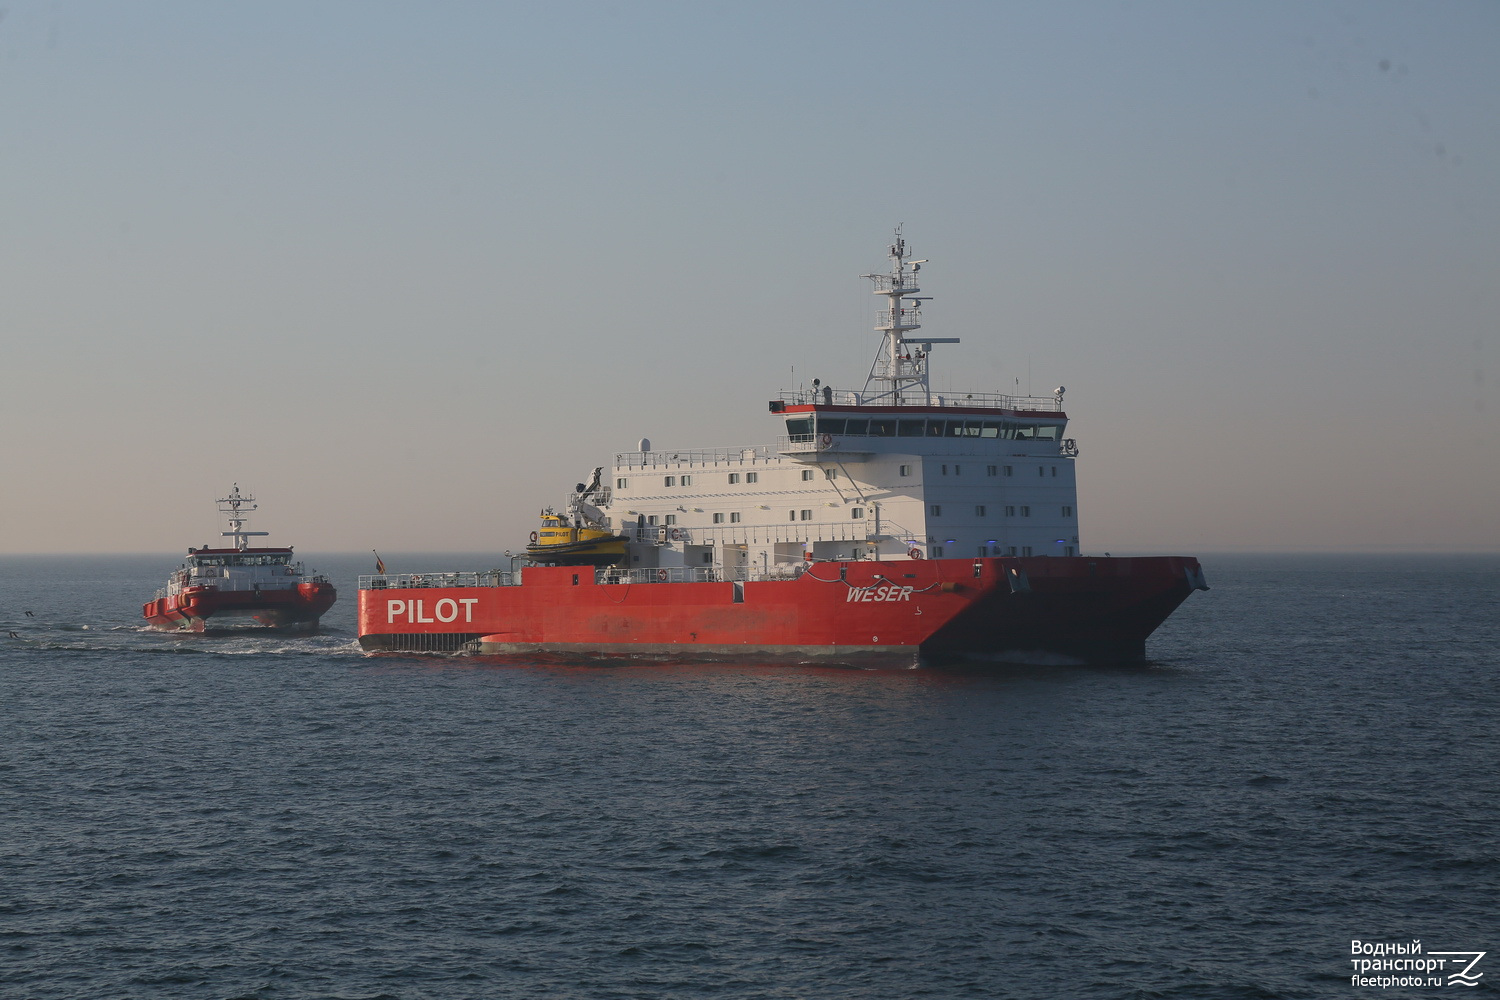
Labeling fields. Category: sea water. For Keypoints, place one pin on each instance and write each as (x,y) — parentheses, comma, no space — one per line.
(1308,760)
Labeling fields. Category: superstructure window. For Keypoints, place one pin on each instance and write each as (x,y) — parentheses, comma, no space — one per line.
(911,428)
(1010,512)
(1025,511)
(734,477)
(830,473)
(990,470)
(687,480)
(671,519)
(734,517)
(857,512)
(830,425)
(807,515)
(1067,512)
(979,511)
(718,519)
(650,518)
(937,552)
(806,475)
(883,428)
(1009,471)
(621,484)
(937,510)
(669,481)
(860,427)
(905,470)
(752,477)
(799,427)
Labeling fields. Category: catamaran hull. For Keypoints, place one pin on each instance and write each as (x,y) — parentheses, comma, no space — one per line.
(1094,610)
(192,610)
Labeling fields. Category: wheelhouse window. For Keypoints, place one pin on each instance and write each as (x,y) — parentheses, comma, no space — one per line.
(800,427)
(911,428)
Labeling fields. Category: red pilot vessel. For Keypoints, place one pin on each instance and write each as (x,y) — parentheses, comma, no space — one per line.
(891,524)
(263,585)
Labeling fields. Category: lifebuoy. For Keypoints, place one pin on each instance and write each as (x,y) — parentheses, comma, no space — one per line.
(826,440)
(676,534)
(533,538)
(416,579)
(661,575)
(915,553)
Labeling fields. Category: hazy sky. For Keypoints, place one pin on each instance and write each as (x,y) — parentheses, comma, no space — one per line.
(410,271)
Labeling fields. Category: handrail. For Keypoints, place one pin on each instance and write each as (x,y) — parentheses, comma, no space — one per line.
(945,400)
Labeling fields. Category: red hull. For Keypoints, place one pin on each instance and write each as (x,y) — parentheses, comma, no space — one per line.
(1091,609)
(301,606)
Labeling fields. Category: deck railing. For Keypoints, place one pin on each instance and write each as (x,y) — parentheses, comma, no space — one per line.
(946,400)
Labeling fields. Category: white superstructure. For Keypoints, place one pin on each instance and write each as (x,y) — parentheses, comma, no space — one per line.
(891,470)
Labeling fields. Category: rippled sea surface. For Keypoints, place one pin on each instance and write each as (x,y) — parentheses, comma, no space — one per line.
(1310,758)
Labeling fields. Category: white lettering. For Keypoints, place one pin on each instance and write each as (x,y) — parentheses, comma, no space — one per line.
(393,607)
(424,621)
(452,609)
(468,603)
(885,593)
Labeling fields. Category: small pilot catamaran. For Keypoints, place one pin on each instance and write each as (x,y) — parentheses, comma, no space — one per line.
(263,585)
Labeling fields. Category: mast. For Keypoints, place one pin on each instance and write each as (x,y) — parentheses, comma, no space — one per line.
(899,374)
(231,505)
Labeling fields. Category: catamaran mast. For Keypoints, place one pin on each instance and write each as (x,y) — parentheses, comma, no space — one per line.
(231,505)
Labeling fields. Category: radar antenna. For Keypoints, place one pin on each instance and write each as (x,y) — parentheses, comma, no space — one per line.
(899,374)
(235,506)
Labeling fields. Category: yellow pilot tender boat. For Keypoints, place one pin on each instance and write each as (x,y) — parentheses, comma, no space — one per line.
(566,544)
